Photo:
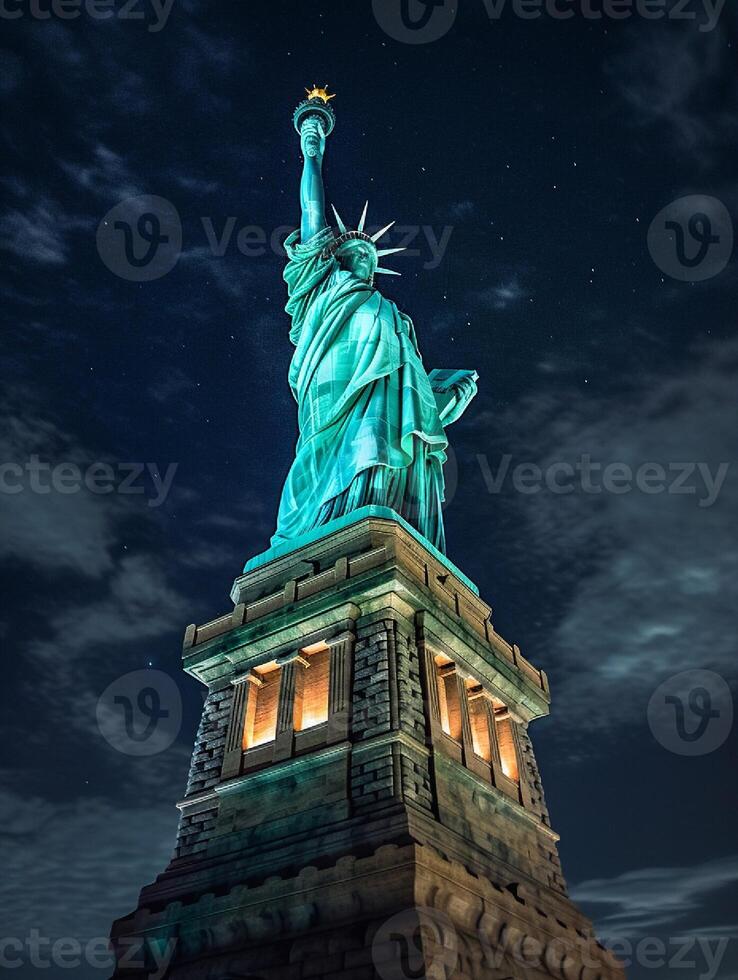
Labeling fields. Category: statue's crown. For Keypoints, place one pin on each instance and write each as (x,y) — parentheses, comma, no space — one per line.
(361,236)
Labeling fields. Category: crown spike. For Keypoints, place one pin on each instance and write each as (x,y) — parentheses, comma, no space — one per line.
(362,222)
(341,226)
(379,234)
(387,272)
(390,251)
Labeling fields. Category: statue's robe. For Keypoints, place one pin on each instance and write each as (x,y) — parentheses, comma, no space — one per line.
(370,432)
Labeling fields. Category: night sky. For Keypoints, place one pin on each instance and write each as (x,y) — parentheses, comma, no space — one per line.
(528,159)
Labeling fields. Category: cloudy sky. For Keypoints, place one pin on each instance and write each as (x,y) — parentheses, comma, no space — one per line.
(147,425)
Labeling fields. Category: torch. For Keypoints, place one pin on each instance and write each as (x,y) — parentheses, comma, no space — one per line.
(316,106)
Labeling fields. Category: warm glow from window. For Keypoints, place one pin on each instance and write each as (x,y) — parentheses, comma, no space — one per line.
(313,709)
(261,711)
(448,698)
(479,721)
(506,742)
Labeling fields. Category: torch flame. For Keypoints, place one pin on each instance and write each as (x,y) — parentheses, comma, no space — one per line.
(319,93)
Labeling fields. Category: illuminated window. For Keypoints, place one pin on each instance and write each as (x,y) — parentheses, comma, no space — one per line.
(261,710)
(506,742)
(448,697)
(311,706)
(479,721)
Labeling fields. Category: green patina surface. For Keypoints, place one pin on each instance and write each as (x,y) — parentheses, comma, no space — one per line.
(372,421)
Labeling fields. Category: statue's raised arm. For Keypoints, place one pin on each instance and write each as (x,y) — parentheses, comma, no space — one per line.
(314,121)
(372,422)
(312,193)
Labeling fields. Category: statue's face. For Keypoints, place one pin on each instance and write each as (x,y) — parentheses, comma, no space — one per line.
(360,258)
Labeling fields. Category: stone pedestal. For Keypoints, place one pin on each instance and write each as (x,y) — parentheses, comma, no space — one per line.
(382,816)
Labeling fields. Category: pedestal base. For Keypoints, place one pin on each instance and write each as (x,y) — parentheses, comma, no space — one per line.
(403,911)
(401,833)
(349,520)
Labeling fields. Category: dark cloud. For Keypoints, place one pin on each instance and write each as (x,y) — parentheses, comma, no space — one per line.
(103,173)
(172,385)
(11,72)
(91,855)
(461,209)
(38,234)
(646,574)
(640,902)
(505,294)
(52,531)
(674,79)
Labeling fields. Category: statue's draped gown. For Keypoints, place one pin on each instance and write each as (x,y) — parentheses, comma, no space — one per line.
(370,432)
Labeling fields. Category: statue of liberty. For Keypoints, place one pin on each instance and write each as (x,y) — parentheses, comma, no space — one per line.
(372,421)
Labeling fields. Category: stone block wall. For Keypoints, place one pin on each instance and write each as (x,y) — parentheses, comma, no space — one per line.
(387,704)
(417,786)
(409,690)
(371,695)
(373,917)
(532,776)
(195,832)
(196,824)
(373,778)
(207,755)
(536,802)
